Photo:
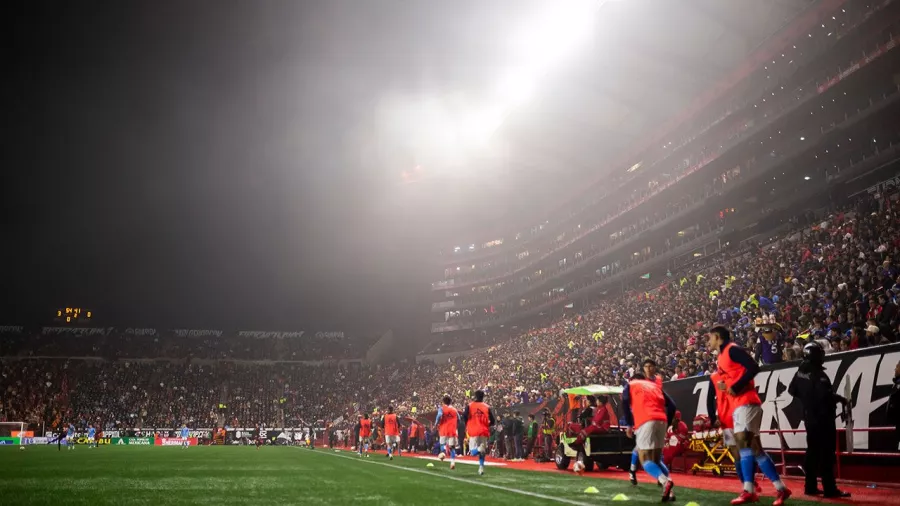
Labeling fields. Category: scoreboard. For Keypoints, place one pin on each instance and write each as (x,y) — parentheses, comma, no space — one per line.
(73,315)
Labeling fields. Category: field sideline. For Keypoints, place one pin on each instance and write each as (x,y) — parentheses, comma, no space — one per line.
(126,475)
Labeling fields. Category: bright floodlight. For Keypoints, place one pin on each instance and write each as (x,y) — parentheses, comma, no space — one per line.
(553,32)
(478,125)
(516,86)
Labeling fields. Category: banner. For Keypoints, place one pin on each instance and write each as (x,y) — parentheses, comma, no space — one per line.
(140,332)
(35,441)
(174,441)
(83,440)
(196,333)
(263,334)
(869,373)
(140,441)
(882,187)
(867,59)
(9,441)
(76,331)
(11,329)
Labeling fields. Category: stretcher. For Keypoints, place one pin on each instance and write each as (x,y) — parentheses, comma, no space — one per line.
(715,456)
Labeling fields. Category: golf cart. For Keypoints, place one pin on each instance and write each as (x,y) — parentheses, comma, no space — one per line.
(612,449)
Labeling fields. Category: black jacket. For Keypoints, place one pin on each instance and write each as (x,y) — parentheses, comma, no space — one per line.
(893,406)
(518,426)
(812,387)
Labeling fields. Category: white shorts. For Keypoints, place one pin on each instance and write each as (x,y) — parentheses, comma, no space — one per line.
(651,435)
(478,442)
(748,418)
(728,437)
(391,439)
(448,440)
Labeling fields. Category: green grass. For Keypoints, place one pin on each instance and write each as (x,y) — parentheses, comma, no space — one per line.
(278,475)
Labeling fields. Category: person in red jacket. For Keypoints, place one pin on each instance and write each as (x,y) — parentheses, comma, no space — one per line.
(677,438)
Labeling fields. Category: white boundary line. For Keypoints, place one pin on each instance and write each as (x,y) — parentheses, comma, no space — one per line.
(463,480)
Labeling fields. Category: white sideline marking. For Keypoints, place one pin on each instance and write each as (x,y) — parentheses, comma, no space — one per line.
(470,462)
(462,480)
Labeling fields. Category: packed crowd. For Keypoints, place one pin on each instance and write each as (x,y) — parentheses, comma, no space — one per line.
(118,345)
(835,282)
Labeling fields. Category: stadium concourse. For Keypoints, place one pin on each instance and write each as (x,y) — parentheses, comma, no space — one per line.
(834,281)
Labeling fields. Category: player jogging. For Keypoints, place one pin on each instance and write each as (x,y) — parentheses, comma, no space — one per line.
(391,432)
(720,410)
(479,418)
(446,422)
(365,434)
(650,374)
(647,413)
(185,433)
(70,437)
(259,438)
(739,369)
(91,435)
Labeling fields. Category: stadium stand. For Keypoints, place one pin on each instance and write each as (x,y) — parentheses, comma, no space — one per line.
(754,136)
(732,186)
(831,277)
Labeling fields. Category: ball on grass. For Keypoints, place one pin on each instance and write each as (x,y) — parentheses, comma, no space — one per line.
(442,456)
(21,448)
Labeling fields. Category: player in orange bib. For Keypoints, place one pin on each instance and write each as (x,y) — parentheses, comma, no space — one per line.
(720,409)
(479,418)
(391,432)
(647,414)
(446,421)
(365,434)
(650,374)
(739,369)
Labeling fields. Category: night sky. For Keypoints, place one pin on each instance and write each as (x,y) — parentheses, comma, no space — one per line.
(202,164)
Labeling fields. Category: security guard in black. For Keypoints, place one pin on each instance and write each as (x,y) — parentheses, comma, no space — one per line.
(812,387)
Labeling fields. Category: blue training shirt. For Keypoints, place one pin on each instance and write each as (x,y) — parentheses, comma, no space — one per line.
(185,432)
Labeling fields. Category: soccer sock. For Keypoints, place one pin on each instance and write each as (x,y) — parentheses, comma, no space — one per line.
(480,459)
(452,454)
(747,462)
(390,449)
(663,468)
(653,469)
(739,470)
(768,468)
(634,460)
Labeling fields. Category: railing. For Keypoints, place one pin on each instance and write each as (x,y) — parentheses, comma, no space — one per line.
(783,452)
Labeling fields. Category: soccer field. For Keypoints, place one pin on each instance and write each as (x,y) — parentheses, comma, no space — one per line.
(123,475)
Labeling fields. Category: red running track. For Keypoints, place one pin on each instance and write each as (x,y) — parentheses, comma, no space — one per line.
(860,495)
